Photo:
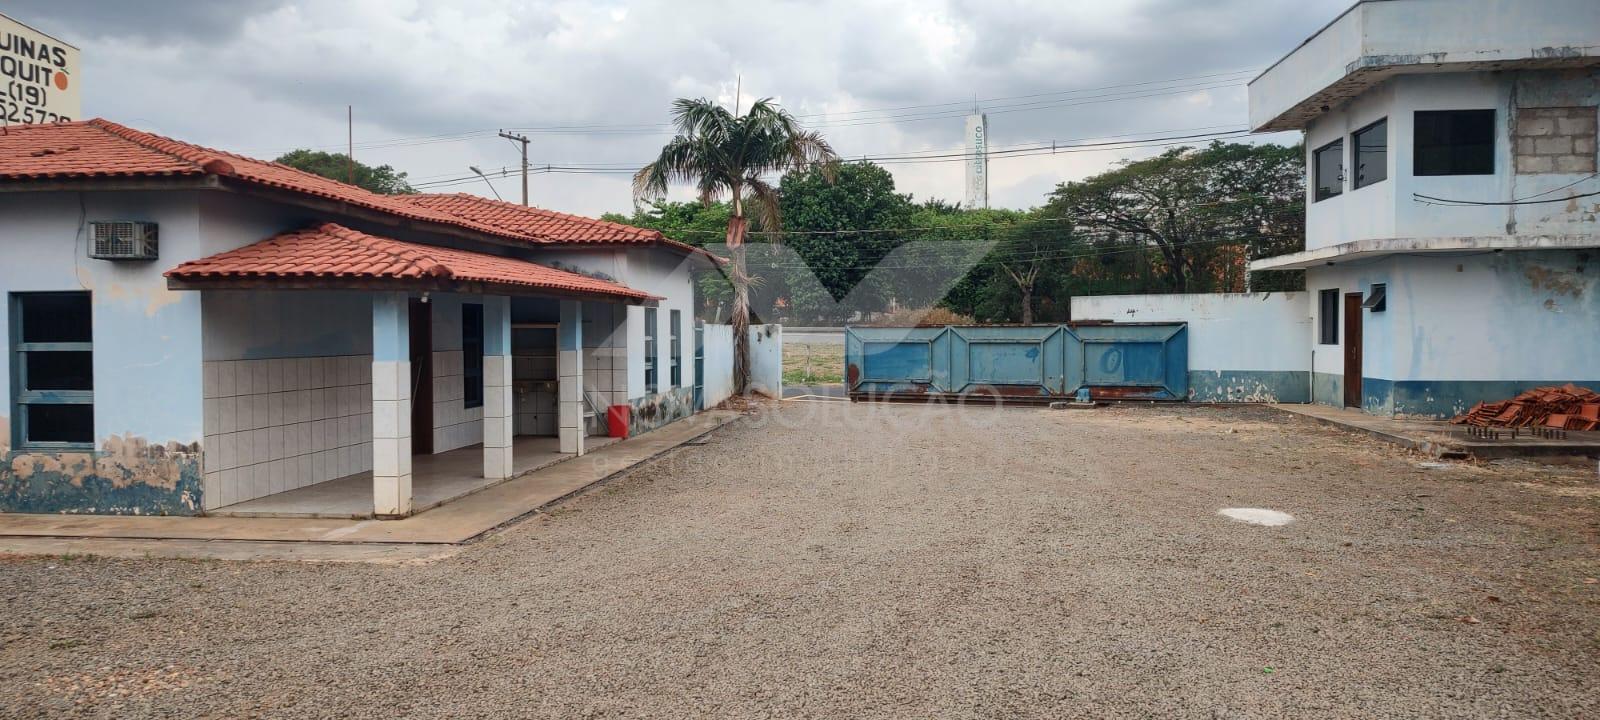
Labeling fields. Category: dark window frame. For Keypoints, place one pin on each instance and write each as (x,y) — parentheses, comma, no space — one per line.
(1359,159)
(675,327)
(651,381)
(472,355)
(1426,160)
(1328,316)
(1317,193)
(1377,298)
(25,398)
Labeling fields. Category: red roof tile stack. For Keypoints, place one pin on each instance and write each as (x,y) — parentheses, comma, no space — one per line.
(545,225)
(331,251)
(1566,407)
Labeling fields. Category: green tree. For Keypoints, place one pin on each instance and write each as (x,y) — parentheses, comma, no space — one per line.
(382,179)
(1203,211)
(724,154)
(841,227)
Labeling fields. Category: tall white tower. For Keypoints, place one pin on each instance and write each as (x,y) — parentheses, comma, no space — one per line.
(977,161)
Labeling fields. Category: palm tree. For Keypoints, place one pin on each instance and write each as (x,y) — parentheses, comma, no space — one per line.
(722,153)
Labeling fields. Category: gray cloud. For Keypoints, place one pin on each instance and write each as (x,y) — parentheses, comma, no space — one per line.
(267,75)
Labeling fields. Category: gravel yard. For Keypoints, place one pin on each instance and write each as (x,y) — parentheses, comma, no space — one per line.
(832,560)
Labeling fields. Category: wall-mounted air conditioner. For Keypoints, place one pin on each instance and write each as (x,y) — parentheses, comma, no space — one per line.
(122,240)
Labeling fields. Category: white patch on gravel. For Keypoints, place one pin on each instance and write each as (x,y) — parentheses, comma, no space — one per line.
(1257,516)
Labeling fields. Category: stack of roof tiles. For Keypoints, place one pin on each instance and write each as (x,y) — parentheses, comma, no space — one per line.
(1566,407)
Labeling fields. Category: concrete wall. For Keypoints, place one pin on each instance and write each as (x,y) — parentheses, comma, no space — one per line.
(1415,35)
(718,363)
(766,360)
(1465,329)
(1243,347)
(1389,208)
(147,433)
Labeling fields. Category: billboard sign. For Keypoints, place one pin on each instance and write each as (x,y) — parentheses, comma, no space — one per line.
(977,161)
(39,79)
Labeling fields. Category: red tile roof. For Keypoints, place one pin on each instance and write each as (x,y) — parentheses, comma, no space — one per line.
(546,225)
(102,149)
(335,252)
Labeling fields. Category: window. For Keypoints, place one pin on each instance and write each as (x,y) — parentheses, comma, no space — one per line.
(1377,298)
(472,355)
(677,348)
(52,370)
(1372,153)
(1328,162)
(1328,316)
(1454,142)
(650,350)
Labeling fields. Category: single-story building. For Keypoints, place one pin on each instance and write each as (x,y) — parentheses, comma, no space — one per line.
(1452,215)
(190,330)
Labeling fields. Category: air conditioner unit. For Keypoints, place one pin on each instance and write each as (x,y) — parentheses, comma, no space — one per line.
(122,240)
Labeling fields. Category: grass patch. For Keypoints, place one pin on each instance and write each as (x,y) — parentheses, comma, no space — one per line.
(808,364)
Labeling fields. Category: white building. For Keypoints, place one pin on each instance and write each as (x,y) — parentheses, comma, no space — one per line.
(1453,208)
(191,330)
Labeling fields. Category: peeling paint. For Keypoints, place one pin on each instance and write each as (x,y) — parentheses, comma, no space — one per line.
(1249,386)
(127,475)
(1556,281)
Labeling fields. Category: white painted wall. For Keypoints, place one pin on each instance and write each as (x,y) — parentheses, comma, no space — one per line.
(718,363)
(766,360)
(1389,209)
(141,329)
(1227,331)
(1414,35)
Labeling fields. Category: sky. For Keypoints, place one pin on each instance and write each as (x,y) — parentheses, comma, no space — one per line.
(591,83)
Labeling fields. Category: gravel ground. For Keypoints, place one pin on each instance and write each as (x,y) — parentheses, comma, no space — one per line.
(832,560)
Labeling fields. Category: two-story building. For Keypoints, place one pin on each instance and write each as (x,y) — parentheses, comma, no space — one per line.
(1453,214)
(1453,206)
(193,331)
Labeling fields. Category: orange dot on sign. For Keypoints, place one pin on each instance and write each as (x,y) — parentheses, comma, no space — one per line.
(61,81)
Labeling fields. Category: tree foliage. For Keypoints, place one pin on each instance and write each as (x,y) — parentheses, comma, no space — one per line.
(382,179)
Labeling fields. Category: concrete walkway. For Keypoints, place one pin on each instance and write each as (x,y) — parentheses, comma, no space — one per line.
(1438,438)
(449,524)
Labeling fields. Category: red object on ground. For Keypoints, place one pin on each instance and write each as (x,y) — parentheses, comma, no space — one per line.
(617,420)
(1566,406)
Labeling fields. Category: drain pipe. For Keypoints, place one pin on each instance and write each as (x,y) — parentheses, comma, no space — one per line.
(1311,377)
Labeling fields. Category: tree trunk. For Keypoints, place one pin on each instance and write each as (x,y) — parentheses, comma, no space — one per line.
(1027,305)
(741,306)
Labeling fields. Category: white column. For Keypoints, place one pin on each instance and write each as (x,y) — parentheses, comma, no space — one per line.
(569,373)
(391,405)
(497,423)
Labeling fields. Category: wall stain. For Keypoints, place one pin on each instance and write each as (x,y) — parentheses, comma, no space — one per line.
(1555,281)
(653,411)
(126,476)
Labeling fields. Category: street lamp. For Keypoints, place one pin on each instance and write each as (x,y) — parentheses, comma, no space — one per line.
(479,173)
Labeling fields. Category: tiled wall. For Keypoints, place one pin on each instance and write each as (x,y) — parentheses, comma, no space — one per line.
(281,423)
(454,424)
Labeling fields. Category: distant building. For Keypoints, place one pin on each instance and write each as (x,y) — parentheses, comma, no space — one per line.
(1453,211)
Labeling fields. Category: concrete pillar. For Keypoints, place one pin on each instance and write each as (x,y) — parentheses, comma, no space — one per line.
(391,404)
(497,403)
(569,373)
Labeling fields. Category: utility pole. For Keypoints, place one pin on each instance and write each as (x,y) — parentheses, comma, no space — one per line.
(514,137)
(350,146)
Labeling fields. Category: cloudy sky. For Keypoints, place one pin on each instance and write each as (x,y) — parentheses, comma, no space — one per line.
(591,82)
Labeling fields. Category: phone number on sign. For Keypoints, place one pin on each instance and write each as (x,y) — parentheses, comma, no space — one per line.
(19,105)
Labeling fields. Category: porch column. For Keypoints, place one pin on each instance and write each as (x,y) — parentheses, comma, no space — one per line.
(391,404)
(497,402)
(569,373)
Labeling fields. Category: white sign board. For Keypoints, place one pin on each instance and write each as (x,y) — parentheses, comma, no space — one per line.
(977,161)
(40,76)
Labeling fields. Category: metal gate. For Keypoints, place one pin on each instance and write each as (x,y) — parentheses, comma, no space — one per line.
(1036,362)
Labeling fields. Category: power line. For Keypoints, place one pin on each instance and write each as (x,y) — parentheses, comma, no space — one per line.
(892,114)
(892,159)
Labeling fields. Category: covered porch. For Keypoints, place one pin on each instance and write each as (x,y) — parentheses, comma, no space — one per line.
(348,375)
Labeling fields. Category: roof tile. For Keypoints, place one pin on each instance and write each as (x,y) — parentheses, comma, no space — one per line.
(331,251)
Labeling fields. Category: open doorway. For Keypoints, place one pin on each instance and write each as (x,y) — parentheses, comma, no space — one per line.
(1352,350)
(421,357)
